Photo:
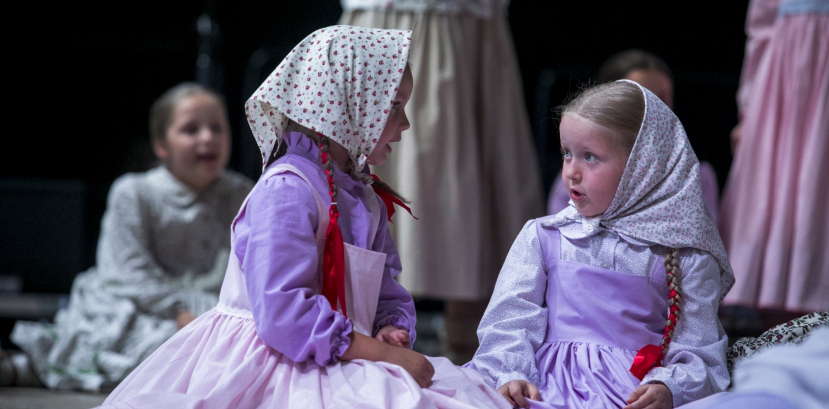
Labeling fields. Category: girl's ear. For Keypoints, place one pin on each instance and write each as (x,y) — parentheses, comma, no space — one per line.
(160,149)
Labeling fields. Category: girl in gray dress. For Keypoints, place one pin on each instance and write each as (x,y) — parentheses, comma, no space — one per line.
(161,255)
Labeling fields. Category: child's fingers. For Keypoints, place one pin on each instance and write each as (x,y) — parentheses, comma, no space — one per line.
(384,331)
(402,336)
(531,391)
(403,339)
(517,392)
(636,394)
(391,340)
(642,399)
(505,393)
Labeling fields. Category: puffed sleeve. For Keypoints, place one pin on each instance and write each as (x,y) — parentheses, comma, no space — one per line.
(514,324)
(395,306)
(695,365)
(124,259)
(276,246)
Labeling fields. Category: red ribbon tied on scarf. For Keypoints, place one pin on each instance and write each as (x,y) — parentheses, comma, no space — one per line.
(647,357)
(389,200)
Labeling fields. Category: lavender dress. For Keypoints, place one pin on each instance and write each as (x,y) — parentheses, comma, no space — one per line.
(572,326)
(598,327)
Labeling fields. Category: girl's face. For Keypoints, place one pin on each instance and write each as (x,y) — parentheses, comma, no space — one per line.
(197,146)
(397,122)
(592,166)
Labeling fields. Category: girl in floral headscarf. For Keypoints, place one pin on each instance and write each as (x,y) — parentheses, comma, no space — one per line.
(613,301)
(309,313)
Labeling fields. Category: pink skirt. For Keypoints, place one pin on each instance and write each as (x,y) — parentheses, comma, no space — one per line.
(774,218)
(218,361)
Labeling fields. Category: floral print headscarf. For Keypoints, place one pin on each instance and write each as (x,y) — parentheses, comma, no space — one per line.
(659,198)
(339,81)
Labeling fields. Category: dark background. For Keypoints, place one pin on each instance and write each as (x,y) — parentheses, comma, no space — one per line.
(82,88)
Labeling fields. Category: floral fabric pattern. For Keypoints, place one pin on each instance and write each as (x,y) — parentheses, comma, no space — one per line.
(339,81)
(793,332)
(659,198)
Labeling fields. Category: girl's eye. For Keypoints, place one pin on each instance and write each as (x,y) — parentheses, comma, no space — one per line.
(565,153)
(590,157)
(191,129)
(216,128)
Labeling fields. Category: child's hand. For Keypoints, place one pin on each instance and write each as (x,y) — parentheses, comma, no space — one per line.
(517,391)
(393,336)
(651,396)
(365,347)
(414,363)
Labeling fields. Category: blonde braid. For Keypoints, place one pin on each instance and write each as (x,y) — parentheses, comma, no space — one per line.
(328,165)
(357,175)
(672,274)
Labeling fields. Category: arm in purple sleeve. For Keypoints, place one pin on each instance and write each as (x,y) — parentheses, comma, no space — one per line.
(276,247)
(395,306)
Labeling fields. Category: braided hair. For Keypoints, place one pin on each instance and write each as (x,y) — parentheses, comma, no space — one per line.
(672,274)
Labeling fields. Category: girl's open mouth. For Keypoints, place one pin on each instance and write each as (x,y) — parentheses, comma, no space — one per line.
(576,195)
(207,157)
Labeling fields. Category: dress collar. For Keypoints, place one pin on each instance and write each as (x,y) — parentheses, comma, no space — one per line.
(179,194)
(170,188)
(587,226)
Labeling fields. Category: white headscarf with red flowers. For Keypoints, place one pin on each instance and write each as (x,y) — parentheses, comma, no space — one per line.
(659,198)
(339,81)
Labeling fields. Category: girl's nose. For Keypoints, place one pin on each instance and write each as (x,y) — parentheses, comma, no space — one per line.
(571,172)
(404,125)
(208,135)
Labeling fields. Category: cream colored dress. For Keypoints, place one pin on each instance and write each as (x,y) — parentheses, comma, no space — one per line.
(467,163)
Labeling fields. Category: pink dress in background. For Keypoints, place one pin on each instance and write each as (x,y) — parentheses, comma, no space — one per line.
(773,218)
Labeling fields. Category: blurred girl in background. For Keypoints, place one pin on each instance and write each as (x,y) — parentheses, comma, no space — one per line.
(161,255)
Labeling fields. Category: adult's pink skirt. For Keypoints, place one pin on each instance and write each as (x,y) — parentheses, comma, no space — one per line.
(774,219)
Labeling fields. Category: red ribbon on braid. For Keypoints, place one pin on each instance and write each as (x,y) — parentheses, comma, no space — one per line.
(648,357)
(651,356)
(389,200)
(333,259)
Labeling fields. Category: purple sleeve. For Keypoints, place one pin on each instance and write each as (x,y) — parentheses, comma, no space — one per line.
(395,306)
(276,247)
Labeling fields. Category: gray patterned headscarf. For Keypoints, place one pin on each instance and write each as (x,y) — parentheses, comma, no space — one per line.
(659,198)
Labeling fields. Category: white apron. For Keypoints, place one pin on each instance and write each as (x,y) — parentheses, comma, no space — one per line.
(363,268)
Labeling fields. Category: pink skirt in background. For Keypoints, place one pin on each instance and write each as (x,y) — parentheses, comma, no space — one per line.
(774,218)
